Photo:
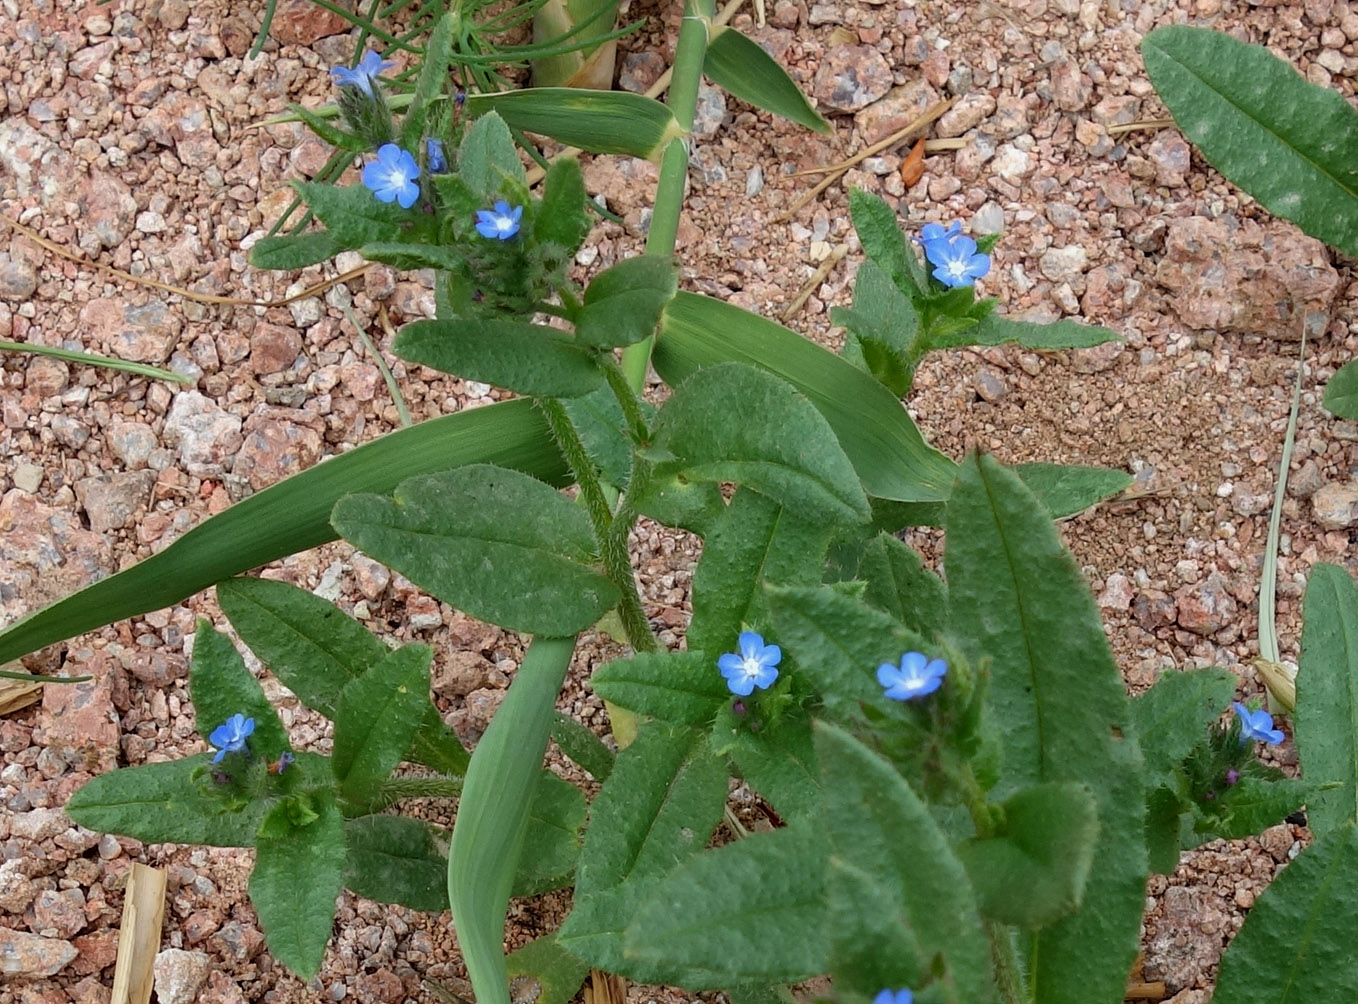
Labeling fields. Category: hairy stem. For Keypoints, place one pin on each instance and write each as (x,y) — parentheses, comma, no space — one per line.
(612,545)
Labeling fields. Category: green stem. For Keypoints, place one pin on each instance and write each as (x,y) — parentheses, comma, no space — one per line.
(612,545)
(682,99)
(1004,957)
(493,814)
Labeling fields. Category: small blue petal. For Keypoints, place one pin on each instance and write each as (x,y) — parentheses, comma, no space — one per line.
(752,666)
(391,178)
(500,223)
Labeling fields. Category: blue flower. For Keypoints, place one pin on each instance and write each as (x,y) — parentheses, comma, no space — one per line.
(916,676)
(933,232)
(956,259)
(893,997)
(362,76)
(434,156)
(230,736)
(752,667)
(392,176)
(1256,726)
(502,222)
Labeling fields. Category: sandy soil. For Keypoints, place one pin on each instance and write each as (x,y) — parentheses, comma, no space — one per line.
(129,134)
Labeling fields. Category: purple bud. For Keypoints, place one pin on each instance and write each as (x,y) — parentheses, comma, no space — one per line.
(220,778)
(738,708)
(1232,776)
(1211,796)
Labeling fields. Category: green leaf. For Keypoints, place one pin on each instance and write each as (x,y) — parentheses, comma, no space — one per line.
(996,330)
(871,815)
(1341,393)
(1034,869)
(166,803)
(299,871)
(1297,944)
(872,944)
(316,650)
(749,912)
(597,121)
(221,686)
(582,746)
(307,642)
(1017,597)
(882,328)
(557,972)
(1287,142)
(879,231)
(409,257)
(1173,716)
(1062,489)
(899,584)
(1065,489)
(660,804)
(658,808)
(496,543)
(623,303)
(562,218)
(1250,806)
(779,762)
(396,859)
(888,453)
(331,134)
(1326,720)
(378,715)
(294,515)
(741,66)
(1164,814)
(753,541)
(353,214)
(292,251)
(551,843)
(732,422)
(682,688)
(487,157)
(526,358)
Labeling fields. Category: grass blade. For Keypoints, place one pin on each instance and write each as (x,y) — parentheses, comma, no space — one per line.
(493,814)
(294,515)
(90,359)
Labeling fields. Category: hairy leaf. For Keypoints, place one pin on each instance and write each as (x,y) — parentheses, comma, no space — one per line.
(493,542)
(1326,720)
(1285,141)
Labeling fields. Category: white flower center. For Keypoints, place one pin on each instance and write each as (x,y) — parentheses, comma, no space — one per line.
(956,268)
(751,667)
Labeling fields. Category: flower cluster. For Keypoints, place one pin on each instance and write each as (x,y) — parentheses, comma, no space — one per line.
(1256,726)
(754,666)
(231,736)
(953,255)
